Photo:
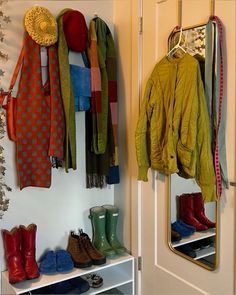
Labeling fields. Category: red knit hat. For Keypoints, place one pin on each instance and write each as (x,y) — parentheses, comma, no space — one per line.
(75,30)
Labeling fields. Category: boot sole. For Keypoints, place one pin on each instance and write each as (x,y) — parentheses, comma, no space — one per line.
(99,262)
(83,265)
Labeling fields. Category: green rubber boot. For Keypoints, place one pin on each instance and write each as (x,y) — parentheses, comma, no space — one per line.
(98,219)
(112,214)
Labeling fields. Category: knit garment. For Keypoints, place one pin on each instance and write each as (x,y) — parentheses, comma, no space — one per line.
(107,51)
(39,118)
(101,143)
(95,71)
(67,96)
(214,52)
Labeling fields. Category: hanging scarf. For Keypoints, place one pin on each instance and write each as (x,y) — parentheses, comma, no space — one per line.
(39,117)
(95,71)
(108,51)
(67,96)
(102,141)
(214,81)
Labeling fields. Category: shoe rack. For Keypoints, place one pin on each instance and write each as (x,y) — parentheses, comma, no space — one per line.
(116,273)
(198,236)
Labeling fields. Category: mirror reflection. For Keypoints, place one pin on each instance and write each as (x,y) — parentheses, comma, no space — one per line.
(193,222)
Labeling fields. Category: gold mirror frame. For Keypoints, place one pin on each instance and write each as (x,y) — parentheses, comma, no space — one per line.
(217,203)
(173,249)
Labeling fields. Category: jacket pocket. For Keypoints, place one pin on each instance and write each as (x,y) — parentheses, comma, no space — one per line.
(184,154)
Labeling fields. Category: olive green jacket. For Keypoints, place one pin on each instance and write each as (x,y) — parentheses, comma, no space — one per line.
(172,134)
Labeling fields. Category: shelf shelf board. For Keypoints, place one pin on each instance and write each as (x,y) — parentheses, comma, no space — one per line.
(195,237)
(46,280)
(205,252)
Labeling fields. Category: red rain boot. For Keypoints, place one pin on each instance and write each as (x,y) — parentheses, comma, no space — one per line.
(186,212)
(11,241)
(199,210)
(28,235)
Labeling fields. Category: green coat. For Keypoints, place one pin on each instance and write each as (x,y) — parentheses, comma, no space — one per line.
(172,134)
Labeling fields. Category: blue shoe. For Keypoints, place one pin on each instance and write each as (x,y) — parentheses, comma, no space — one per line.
(187,250)
(48,263)
(61,288)
(183,231)
(64,261)
(79,285)
(190,227)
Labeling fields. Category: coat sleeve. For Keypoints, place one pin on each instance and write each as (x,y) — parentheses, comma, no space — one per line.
(142,134)
(205,174)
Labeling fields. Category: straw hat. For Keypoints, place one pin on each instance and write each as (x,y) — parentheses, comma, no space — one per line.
(41,26)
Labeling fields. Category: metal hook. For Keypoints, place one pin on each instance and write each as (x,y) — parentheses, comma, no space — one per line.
(180,13)
(212,7)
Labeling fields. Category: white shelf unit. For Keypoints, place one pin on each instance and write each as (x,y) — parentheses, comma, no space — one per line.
(195,237)
(116,272)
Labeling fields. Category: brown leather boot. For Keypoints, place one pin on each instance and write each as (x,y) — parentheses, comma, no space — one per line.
(78,253)
(97,257)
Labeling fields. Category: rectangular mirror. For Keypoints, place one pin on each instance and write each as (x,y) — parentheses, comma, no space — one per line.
(192,224)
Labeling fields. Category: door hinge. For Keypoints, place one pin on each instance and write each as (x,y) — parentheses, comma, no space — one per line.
(139,263)
(140,25)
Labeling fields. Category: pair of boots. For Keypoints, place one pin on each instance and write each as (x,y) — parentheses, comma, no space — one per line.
(191,210)
(82,252)
(19,246)
(104,222)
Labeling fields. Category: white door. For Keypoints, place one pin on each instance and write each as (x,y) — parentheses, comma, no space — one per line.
(164,272)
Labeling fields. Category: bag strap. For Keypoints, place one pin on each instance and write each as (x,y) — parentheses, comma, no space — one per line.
(6,94)
(16,71)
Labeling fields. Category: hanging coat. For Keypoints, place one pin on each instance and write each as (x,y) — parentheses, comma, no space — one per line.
(39,118)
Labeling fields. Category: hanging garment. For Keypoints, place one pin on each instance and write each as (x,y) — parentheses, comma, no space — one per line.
(172,134)
(95,71)
(39,118)
(67,96)
(214,80)
(101,142)
(81,83)
(107,52)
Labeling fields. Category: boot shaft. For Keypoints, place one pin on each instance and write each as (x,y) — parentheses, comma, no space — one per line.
(98,219)
(198,204)
(28,240)
(11,241)
(185,204)
(112,214)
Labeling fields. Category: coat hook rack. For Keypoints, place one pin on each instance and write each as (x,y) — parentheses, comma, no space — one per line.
(212,7)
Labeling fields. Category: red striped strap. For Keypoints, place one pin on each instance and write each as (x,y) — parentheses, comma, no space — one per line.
(216,151)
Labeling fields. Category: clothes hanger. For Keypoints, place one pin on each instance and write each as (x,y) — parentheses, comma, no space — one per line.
(177,46)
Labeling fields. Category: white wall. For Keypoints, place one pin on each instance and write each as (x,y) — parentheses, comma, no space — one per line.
(65,206)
